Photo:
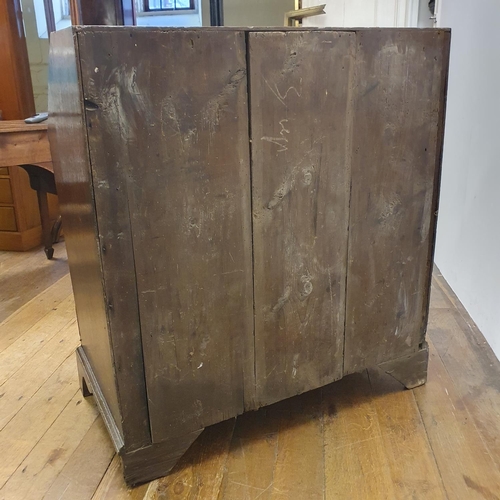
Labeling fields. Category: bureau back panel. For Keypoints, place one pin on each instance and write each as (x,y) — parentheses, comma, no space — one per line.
(300,93)
(398,119)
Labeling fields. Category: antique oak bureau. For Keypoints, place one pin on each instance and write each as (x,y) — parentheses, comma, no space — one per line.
(249,214)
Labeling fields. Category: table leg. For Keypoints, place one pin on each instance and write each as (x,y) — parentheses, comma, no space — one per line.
(43,205)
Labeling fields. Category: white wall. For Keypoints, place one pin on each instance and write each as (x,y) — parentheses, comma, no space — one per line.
(256,12)
(468,243)
(364,13)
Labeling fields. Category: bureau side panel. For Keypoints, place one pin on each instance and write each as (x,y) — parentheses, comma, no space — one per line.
(68,141)
(109,173)
(173,124)
(397,141)
(300,93)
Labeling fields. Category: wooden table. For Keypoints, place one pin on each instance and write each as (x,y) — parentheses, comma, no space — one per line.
(27,146)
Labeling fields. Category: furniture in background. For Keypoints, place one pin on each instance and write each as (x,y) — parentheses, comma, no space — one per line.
(20,227)
(249,215)
(26,145)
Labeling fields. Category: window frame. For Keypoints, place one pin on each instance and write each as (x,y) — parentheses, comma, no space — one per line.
(144,9)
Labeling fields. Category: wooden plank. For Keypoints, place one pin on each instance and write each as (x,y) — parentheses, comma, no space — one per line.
(464,461)
(404,438)
(39,469)
(199,473)
(18,148)
(398,118)
(70,159)
(21,241)
(299,471)
(300,206)
(113,487)
(81,475)
(5,192)
(188,188)
(21,126)
(472,365)
(26,428)
(115,236)
(250,464)
(7,219)
(34,310)
(21,352)
(19,286)
(17,391)
(356,465)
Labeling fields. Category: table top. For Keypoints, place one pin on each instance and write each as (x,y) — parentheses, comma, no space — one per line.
(20,126)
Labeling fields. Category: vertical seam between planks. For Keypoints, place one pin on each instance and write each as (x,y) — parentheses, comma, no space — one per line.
(348,166)
(250,145)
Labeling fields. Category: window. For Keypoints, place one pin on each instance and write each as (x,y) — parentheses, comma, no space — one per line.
(175,13)
(56,11)
(168,5)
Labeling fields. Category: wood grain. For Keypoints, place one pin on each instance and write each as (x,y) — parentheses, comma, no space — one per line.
(112,485)
(396,158)
(82,473)
(200,471)
(47,459)
(300,475)
(115,236)
(356,465)
(18,389)
(250,464)
(300,191)
(188,196)
(29,146)
(403,437)
(471,364)
(30,423)
(375,443)
(8,219)
(33,310)
(70,158)
(466,466)
(22,351)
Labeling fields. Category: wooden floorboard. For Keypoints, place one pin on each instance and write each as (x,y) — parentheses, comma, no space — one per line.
(26,275)
(363,437)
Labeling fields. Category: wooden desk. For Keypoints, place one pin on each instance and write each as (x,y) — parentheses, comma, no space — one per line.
(21,213)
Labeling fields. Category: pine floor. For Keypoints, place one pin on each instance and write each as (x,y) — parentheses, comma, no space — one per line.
(360,438)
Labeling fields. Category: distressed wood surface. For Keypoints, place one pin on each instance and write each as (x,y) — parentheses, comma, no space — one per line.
(397,118)
(109,177)
(70,158)
(326,166)
(179,146)
(300,191)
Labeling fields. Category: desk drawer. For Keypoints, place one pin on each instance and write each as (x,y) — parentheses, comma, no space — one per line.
(5,191)
(4,170)
(7,219)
